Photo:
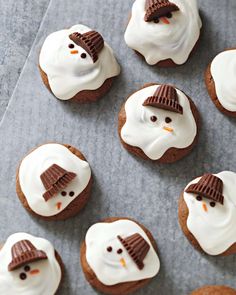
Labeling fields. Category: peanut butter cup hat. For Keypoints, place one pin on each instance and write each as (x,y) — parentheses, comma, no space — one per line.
(54,179)
(165,97)
(24,252)
(158,8)
(209,186)
(91,41)
(137,248)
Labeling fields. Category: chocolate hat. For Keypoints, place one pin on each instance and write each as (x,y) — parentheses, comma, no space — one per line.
(91,41)
(137,248)
(209,186)
(165,97)
(55,179)
(24,252)
(158,8)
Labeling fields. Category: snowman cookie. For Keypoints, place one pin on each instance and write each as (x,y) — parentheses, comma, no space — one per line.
(29,265)
(220,78)
(207,213)
(214,290)
(119,256)
(164,32)
(77,64)
(54,181)
(159,123)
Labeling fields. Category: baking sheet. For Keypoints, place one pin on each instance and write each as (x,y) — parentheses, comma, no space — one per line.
(123,184)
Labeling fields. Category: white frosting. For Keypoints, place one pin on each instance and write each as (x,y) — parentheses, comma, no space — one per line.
(68,73)
(157,42)
(39,160)
(215,228)
(45,282)
(106,265)
(223,71)
(140,131)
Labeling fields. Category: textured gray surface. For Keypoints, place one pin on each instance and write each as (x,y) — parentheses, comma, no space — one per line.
(19,24)
(124,185)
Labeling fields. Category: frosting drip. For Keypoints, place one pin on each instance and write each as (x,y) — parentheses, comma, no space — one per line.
(109,259)
(223,71)
(69,73)
(153,137)
(214,228)
(36,163)
(159,41)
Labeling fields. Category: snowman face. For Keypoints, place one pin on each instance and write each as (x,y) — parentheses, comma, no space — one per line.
(31,274)
(63,198)
(206,209)
(115,255)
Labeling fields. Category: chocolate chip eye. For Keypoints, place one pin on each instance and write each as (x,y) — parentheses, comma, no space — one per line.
(169,15)
(168,120)
(27,268)
(63,194)
(23,276)
(83,55)
(199,198)
(153,118)
(109,249)
(119,251)
(156,21)
(71,46)
(71,194)
(212,204)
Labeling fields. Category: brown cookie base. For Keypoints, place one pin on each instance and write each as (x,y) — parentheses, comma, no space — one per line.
(183,216)
(85,96)
(172,154)
(214,290)
(210,85)
(73,208)
(118,289)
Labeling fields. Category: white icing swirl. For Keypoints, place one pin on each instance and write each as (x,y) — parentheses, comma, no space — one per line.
(223,71)
(39,160)
(151,137)
(157,42)
(45,282)
(68,73)
(106,265)
(215,228)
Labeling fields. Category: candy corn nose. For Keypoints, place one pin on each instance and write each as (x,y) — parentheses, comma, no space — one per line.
(168,129)
(34,271)
(122,262)
(59,205)
(74,52)
(165,20)
(204,206)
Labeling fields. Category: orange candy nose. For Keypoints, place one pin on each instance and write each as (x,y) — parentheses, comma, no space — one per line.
(58,205)
(204,206)
(74,52)
(123,263)
(168,129)
(34,271)
(165,20)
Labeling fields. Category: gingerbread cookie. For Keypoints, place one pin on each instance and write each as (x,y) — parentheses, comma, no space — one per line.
(119,256)
(220,81)
(54,181)
(214,290)
(159,123)
(29,265)
(77,64)
(207,213)
(164,32)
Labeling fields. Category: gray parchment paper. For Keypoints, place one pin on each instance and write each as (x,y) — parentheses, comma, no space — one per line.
(123,185)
